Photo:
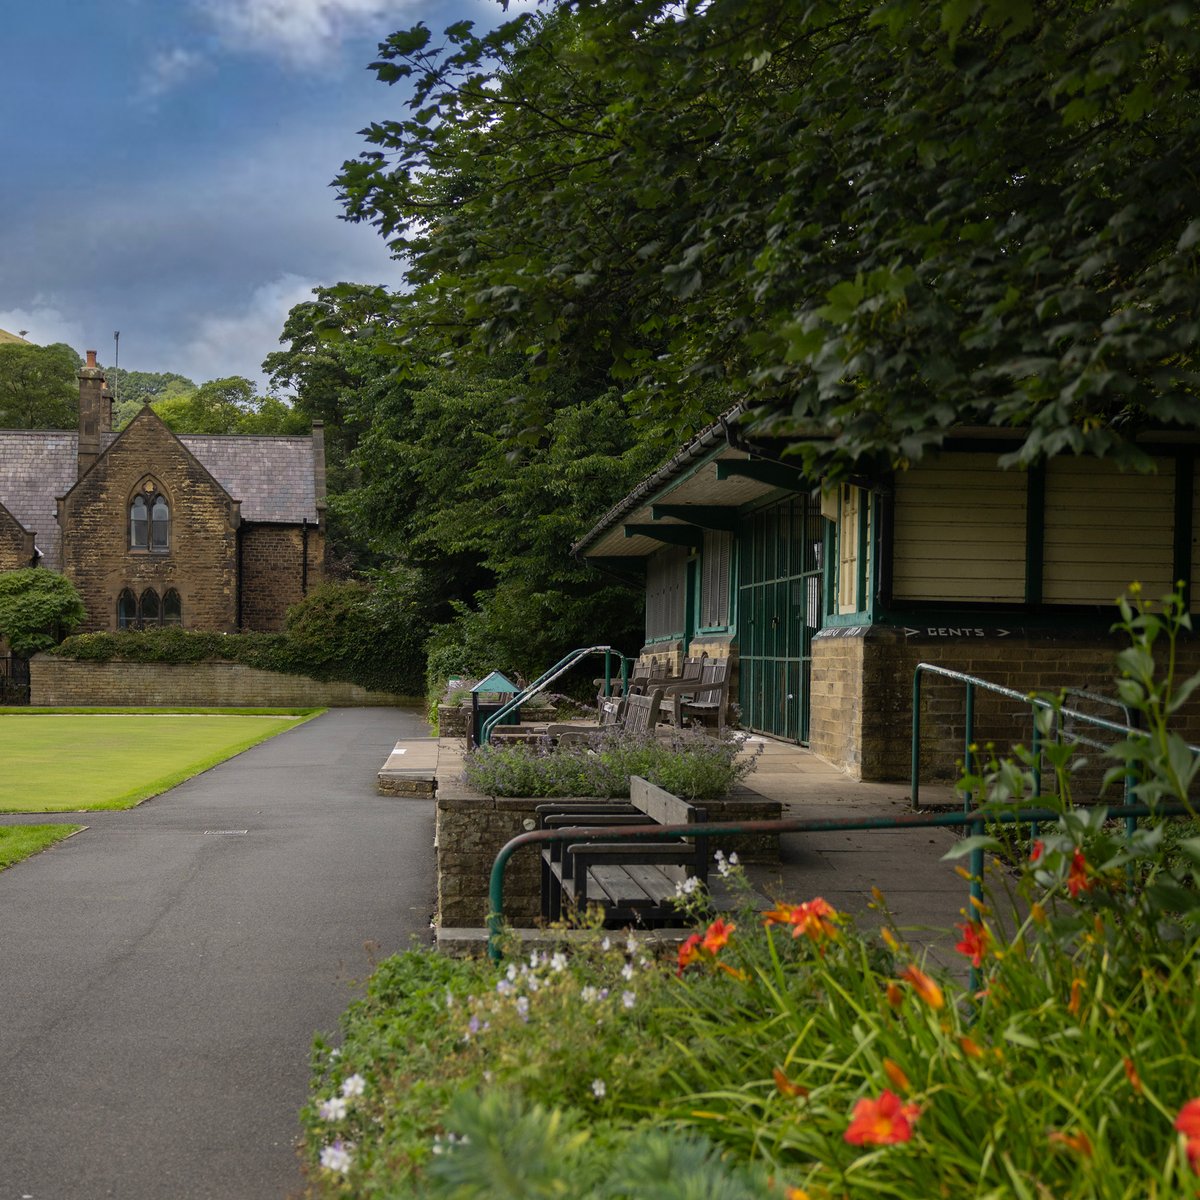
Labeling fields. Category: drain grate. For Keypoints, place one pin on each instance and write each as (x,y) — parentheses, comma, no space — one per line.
(225,832)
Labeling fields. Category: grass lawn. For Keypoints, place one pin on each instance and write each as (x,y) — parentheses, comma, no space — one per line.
(75,762)
(20,841)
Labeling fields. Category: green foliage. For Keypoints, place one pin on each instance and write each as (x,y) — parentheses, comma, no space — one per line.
(689,764)
(132,389)
(229,406)
(39,388)
(364,633)
(877,220)
(38,609)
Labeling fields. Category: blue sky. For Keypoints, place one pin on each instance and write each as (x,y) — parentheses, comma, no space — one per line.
(167,167)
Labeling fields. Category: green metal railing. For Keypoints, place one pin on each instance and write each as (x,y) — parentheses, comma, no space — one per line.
(544,680)
(976,820)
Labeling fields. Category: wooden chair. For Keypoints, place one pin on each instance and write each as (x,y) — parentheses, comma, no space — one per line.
(706,697)
(635,715)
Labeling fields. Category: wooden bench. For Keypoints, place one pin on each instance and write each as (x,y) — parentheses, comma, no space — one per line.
(635,715)
(706,697)
(634,882)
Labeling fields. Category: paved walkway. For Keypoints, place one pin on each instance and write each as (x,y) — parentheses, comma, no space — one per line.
(162,974)
(924,893)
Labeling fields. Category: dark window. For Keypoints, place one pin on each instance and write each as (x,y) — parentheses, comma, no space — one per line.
(160,525)
(151,613)
(150,524)
(139,524)
(172,608)
(126,610)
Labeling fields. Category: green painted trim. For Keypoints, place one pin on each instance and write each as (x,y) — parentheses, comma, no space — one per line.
(842,620)
(1185,484)
(716,517)
(672,535)
(771,474)
(1035,532)
(862,597)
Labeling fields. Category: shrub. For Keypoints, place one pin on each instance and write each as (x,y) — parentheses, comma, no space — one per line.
(690,765)
(38,608)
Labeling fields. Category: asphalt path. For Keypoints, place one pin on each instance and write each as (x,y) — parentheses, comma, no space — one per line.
(162,974)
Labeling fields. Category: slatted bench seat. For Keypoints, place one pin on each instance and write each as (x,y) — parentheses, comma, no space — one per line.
(703,698)
(630,714)
(633,882)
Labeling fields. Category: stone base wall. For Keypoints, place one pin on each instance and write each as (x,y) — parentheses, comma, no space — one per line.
(862,695)
(472,828)
(454,720)
(63,681)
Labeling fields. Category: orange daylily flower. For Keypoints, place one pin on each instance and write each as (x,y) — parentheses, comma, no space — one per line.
(815,919)
(781,914)
(896,1074)
(923,986)
(1079,1141)
(1079,876)
(970,1047)
(975,943)
(1074,1004)
(786,1086)
(689,952)
(882,1122)
(1135,1080)
(1188,1123)
(716,937)
(1038,913)
(895,997)
(796,1193)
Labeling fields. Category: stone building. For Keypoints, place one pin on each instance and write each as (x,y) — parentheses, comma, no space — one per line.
(827,598)
(218,533)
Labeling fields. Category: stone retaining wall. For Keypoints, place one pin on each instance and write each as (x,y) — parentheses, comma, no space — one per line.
(64,681)
(472,828)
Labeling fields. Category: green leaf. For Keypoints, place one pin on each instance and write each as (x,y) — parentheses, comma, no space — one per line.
(968,845)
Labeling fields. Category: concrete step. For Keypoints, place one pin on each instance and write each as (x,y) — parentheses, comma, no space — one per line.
(411,769)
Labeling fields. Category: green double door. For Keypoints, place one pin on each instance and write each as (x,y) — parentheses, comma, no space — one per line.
(780,553)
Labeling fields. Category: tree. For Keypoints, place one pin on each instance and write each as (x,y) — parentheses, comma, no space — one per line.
(38,608)
(38,386)
(132,389)
(875,221)
(230,405)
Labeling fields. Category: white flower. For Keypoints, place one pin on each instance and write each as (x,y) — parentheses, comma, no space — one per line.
(627,971)
(355,1085)
(598,1089)
(449,1000)
(333,1109)
(534,983)
(605,944)
(504,987)
(733,859)
(587,994)
(629,999)
(511,973)
(631,945)
(336,1157)
(558,962)
(523,1007)
(688,886)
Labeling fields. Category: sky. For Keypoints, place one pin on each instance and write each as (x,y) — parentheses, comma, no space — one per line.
(166,168)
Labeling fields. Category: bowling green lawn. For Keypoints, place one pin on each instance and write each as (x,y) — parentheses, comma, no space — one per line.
(73,761)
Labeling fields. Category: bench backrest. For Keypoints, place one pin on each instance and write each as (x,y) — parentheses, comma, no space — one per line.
(660,805)
(612,710)
(641,712)
(714,681)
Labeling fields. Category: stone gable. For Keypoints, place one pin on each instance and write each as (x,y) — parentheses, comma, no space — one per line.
(201,560)
(16,543)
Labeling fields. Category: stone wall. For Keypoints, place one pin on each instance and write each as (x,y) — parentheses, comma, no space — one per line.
(64,681)
(472,828)
(862,694)
(201,564)
(16,543)
(273,571)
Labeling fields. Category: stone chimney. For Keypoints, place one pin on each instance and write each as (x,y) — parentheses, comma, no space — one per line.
(95,412)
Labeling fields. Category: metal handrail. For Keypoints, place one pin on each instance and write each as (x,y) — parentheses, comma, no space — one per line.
(544,680)
(972,682)
(977,819)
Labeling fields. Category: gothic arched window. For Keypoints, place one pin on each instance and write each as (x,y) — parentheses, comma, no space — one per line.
(126,610)
(172,608)
(150,521)
(151,613)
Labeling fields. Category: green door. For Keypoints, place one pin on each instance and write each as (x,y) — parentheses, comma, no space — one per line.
(779,610)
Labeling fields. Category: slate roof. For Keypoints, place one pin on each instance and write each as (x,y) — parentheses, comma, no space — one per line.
(271,476)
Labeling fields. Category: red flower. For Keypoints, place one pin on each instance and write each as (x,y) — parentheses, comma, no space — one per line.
(1079,1142)
(716,937)
(1078,876)
(781,914)
(786,1086)
(1039,848)
(1188,1123)
(975,941)
(881,1122)
(689,952)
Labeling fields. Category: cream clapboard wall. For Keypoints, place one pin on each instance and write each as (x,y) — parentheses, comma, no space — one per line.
(1105,529)
(959,531)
